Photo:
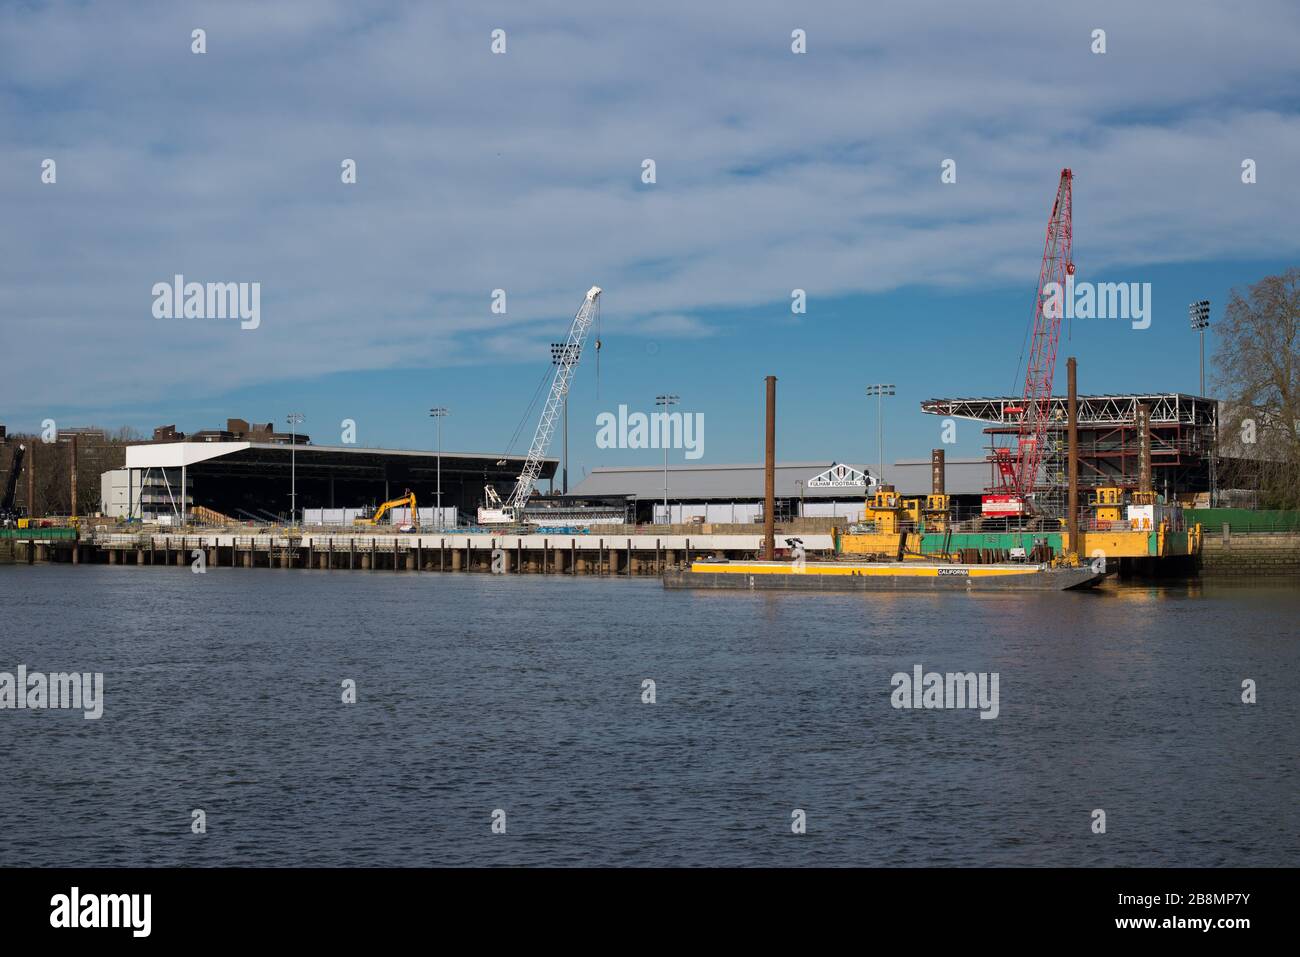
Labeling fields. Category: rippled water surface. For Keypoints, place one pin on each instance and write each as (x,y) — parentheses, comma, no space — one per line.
(222,692)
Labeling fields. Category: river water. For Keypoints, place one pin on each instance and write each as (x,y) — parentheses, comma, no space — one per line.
(476,693)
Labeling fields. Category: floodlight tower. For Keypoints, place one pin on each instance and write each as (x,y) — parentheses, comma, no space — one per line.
(1199,312)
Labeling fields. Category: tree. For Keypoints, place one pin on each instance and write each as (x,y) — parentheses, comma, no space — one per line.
(1257,368)
(97,452)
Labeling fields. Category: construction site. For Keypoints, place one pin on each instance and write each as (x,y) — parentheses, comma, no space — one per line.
(1067,479)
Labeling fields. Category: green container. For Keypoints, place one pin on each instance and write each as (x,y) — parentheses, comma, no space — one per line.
(932,542)
(39,534)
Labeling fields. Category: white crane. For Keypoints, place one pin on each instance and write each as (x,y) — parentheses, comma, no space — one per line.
(512,510)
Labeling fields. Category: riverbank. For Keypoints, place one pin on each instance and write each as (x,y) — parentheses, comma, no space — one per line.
(1224,551)
(1271,554)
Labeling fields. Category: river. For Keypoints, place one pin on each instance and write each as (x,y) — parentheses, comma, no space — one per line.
(475,694)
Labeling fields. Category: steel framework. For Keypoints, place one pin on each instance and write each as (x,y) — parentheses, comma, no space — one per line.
(1183,431)
(1166,407)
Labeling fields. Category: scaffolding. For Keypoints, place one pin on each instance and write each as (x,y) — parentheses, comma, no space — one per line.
(1183,432)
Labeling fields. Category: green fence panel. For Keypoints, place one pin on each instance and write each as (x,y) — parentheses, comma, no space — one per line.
(39,534)
(1243,519)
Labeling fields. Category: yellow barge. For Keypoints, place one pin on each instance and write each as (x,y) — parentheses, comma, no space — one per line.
(880,576)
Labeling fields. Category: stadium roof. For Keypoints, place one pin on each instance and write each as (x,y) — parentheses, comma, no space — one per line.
(176,454)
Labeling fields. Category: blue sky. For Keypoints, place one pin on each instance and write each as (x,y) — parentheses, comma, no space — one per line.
(522,171)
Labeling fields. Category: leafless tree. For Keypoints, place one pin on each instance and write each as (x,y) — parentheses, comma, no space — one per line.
(1257,369)
(52,461)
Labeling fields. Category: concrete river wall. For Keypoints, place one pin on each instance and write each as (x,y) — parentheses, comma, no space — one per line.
(1250,553)
(643,554)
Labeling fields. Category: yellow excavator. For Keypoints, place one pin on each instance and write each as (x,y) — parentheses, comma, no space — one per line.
(408,500)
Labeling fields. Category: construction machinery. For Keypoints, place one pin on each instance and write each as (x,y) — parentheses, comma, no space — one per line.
(408,500)
(1017,480)
(887,510)
(511,511)
(887,518)
(937,511)
(8,514)
(1107,504)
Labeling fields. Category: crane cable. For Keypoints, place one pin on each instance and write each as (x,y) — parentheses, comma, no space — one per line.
(528,413)
(547,376)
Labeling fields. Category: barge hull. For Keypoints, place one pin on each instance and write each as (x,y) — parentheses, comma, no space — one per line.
(777,576)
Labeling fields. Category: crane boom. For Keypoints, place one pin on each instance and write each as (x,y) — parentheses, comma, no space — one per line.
(566,362)
(11,484)
(1018,467)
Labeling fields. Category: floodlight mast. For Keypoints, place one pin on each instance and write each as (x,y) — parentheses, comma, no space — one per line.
(566,362)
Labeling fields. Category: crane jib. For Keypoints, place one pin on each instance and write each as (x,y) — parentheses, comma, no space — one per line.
(566,364)
(1022,476)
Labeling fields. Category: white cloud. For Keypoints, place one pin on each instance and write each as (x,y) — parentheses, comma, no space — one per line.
(475,171)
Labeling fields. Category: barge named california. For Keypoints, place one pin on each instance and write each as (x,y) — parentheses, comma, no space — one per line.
(880,576)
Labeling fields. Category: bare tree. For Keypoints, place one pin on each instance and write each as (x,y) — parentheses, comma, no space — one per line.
(1257,368)
(97,452)
(126,435)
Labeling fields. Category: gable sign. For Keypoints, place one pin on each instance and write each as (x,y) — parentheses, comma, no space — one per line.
(839,476)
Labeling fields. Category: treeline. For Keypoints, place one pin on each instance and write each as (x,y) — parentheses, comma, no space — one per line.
(49,464)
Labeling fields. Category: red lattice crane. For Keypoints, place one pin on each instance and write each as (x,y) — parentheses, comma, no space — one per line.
(1018,467)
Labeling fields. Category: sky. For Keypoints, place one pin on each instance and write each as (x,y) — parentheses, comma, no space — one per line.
(775,171)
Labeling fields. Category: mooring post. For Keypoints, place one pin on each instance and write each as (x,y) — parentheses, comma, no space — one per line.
(1072,425)
(31,492)
(73,452)
(769,479)
(1144,447)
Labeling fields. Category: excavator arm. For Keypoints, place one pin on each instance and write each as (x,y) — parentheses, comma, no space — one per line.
(408,500)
